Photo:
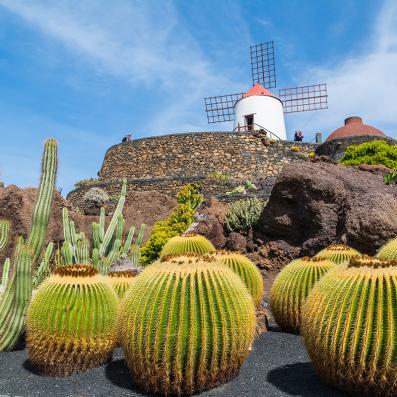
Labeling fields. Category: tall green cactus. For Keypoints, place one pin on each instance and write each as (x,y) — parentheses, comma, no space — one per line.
(109,244)
(4,233)
(186,324)
(291,287)
(349,326)
(15,299)
(6,273)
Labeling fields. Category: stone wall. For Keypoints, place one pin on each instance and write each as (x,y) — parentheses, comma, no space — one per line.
(166,163)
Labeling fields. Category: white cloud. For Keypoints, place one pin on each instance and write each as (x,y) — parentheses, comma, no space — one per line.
(364,84)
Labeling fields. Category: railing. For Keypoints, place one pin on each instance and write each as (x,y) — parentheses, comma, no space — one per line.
(252,127)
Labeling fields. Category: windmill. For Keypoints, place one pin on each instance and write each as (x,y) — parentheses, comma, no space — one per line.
(258,108)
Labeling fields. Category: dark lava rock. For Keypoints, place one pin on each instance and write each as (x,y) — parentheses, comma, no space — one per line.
(316,203)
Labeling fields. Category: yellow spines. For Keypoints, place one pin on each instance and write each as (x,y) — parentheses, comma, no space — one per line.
(291,287)
(246,269)
(350,329)
(338,253)
(72,321)
(389,250)
(187,244)
(186,325)
(122,281)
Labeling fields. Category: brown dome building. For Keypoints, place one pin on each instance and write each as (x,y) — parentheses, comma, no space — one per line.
(354,132)
(354,126)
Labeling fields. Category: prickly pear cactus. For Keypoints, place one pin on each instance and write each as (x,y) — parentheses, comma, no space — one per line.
(72,321)
(187,244)
(349,325)
(338,253)
(122,281)
(247,270)
(389,250)
(186,325)
(291,287)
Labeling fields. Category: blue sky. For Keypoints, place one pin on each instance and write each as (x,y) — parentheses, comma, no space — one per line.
(87,72)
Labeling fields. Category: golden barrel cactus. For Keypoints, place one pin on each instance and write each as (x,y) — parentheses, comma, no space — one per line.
(186,325)
(349,323)
(291,287)
(338,253)
(72,321)
(389,250)
(246,269)
(187,244)
(121,281)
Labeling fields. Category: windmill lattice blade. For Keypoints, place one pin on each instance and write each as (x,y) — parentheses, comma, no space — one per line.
(263,64)
(221,108)
(304,99)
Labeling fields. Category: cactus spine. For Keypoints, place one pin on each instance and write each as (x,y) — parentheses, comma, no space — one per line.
(338,253)
(186,325)
(389,250)
(72,321)
(247,270)
(189,243)
(122,281)
(349,326)
(4,233)
(291,287)
(15,299)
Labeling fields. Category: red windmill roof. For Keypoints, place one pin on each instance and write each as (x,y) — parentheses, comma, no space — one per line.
(257,89)
(354,126)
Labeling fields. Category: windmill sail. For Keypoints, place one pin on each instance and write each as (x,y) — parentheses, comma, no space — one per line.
(263,64)
(304,99)
(221,108)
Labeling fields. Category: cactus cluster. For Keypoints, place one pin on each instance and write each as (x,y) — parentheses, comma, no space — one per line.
(14,301)
(121,281)
(186,325)
(247,270)
(72,321)
(389,250)
(189,243)
(109,244)
(292,286)
(338,253)
(349,326)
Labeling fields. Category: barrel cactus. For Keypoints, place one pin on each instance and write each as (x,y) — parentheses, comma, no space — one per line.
(247,270)
(389,250)
(72,321)
(187,244)
(338,253)
(186,325)
(122,281)
(349,326)
(291,287)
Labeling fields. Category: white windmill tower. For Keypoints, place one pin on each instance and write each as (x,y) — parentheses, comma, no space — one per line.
(258,108)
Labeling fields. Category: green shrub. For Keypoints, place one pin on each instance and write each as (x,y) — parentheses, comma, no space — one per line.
(375,152)
(177,223)
(242,215)
(86,182)
(218,176)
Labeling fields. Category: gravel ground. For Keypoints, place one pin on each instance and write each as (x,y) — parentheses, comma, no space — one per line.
(278,366)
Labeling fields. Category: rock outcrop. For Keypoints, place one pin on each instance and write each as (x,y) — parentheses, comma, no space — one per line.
(316,204)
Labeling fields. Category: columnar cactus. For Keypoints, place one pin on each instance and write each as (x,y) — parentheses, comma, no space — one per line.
(122,281)
(72,321)
(291,287)
(15,299)
(247,270)
(389,250)
(4,233)
(186,325)
(338,253)
(349,326)
(189,243)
